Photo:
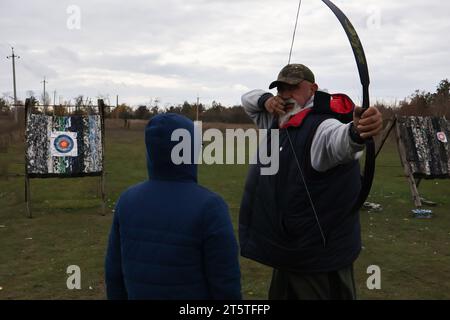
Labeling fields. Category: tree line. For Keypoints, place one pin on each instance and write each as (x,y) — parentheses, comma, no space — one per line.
(420,103)
(216,113)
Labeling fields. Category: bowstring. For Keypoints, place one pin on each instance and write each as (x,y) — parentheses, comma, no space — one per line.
(302,177)
(324,240)
(295,30)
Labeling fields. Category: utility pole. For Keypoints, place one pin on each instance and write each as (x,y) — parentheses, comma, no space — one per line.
(44,97)
(13,58)
(54,101)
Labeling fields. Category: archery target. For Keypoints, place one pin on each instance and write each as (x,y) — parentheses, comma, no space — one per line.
(63,144)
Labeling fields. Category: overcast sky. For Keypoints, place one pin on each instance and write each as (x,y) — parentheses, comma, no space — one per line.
(218,49)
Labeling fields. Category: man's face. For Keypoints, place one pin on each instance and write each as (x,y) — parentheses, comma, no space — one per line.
(301,93)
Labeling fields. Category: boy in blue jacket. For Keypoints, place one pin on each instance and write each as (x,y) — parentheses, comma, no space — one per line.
(171,238)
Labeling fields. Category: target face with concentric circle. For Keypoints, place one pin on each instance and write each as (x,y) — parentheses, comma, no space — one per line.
(64,144)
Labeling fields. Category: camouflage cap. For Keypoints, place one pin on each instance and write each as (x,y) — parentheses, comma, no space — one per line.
(293,74)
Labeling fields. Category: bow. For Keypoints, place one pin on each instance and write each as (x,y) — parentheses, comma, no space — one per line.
(361,62)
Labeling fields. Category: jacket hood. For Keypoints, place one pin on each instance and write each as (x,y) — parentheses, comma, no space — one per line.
(158,140)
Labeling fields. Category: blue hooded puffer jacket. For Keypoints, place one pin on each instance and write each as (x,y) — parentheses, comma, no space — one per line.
(171,238)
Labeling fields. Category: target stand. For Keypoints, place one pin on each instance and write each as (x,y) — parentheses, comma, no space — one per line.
(423,145)
(64,146)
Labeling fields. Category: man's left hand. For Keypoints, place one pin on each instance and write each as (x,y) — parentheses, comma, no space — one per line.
(369,124)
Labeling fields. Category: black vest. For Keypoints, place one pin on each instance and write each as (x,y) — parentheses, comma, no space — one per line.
(277,225)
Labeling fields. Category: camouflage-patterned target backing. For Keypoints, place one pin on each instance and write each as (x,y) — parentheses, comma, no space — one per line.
(59,146)
(426,140)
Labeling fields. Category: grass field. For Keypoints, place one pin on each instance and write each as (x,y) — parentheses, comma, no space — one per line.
(67,228)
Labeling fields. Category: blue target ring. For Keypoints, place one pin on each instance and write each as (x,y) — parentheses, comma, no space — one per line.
(63,144)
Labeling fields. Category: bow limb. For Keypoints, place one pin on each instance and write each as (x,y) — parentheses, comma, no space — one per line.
(361,62)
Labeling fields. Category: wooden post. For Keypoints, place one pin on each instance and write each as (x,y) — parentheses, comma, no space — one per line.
(408,173)
(101,106)
(28,196)
(27,178)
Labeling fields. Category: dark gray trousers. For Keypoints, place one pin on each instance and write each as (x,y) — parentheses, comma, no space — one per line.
(335,285)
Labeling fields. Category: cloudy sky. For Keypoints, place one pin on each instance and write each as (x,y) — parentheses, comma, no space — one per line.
(175,49)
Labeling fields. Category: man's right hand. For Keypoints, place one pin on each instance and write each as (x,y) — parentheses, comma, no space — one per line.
(275,105)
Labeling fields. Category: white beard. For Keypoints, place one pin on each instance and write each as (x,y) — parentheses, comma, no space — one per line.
(296,109)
